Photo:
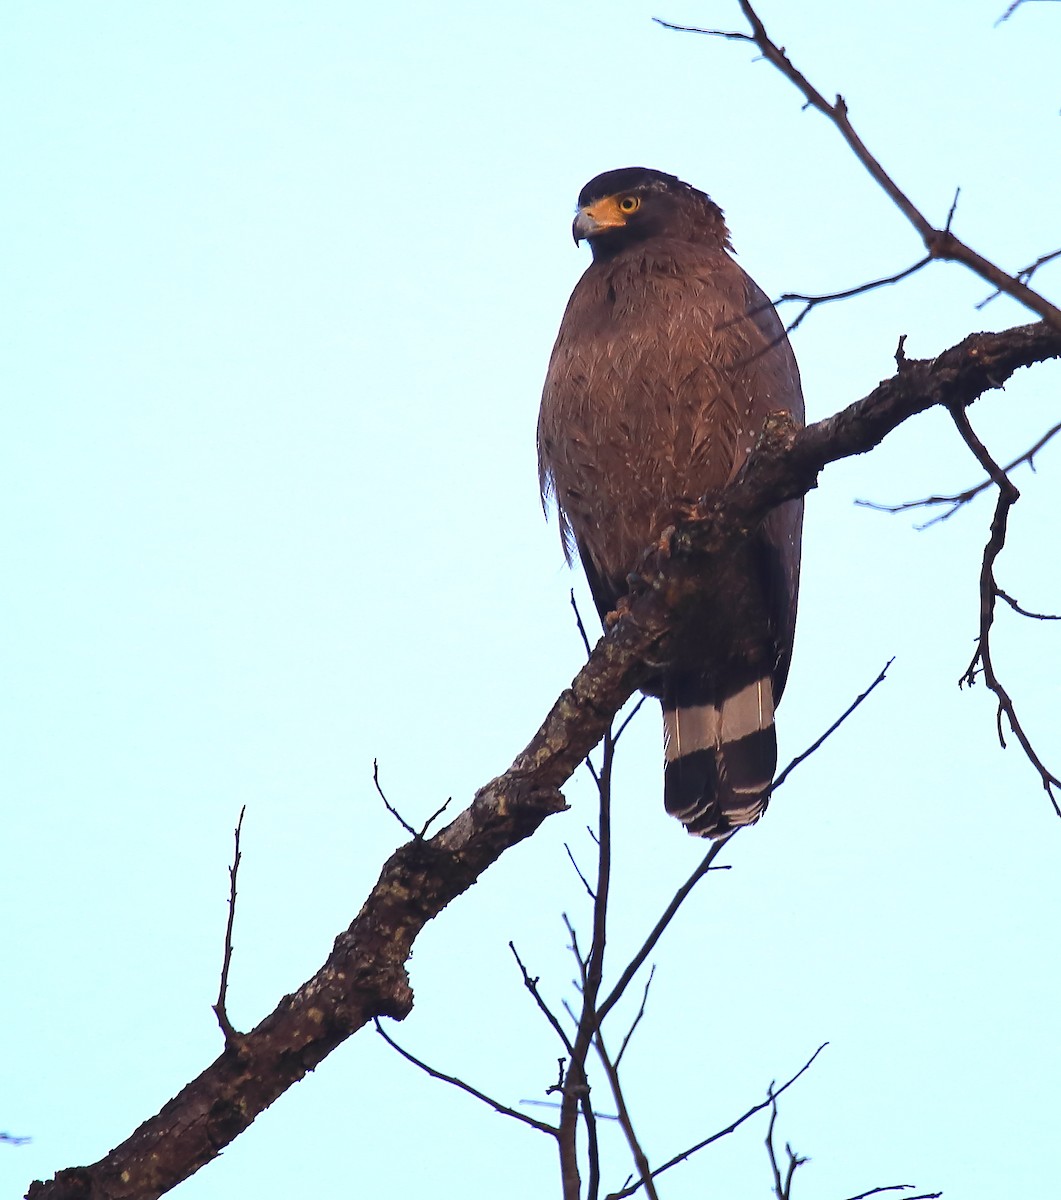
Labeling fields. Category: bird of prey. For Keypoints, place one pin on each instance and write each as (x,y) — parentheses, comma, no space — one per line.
(668,360)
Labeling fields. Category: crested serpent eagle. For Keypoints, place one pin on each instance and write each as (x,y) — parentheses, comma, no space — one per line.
(668,361)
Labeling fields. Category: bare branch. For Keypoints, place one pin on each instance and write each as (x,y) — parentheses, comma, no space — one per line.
(1023,611)
(832,728)
(390,807)
(782,1187)
(434,817)
(504,1109)
(680,896)
(1005,17)
(959,499)
(364,975)
(1008,495)
(893,1187)
(811,302)
(578,872)
(630,1189)
(594,773)
(590,1118)
(625,1120)
(581,627)
(940,243)
(576,1098)
(531,984)
(626,721)
(1024,274)
(1009,12)
(419,834)
(637,1019)
(232,1037)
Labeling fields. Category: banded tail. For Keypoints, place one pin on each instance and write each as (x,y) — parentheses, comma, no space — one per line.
(720,759)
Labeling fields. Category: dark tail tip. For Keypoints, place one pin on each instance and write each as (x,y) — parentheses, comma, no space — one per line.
(715,791)
(691,793)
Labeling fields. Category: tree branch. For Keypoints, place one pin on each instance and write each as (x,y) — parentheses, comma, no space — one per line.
(782,1186)
(940,243)
(816,745)
(631,1188)
(1008,495)
(220,1008)
(1024,274)
(959,499)
(811,302)
(365,975)
(1005,17)
(498,1107)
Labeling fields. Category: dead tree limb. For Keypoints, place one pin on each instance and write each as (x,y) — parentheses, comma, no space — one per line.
(365,974)
(221,1007)
(941,243)
(959,499)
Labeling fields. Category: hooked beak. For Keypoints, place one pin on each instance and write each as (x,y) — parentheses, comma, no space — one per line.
(597,218)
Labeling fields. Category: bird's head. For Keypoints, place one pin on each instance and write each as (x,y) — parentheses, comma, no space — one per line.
(621,208)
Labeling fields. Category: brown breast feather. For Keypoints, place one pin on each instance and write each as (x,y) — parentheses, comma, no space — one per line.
(657,388)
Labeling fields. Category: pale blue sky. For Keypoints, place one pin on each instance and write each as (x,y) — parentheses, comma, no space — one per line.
(282,282)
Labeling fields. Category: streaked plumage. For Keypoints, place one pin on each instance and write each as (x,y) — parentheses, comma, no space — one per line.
(668,360)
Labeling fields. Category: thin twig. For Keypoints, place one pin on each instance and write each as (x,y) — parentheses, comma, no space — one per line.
(581,627)
(504,1109)
(580,983)
(589,1119)
(1005,17)
(626,720)
(679,898)
(220,1010)
(940,243)
(433,818)
(1024,274)
(1023,611)
(832,728)
(578,872)
(576,1092)
(892,1187)
(778,1192)
(1008,495)
(782,1187)
(959,499)
(416,834)
(531,984)
(591,969)
(1009,12)
(811,302)
(637,1020)
(390,807)
(625,1121)
(630,1189)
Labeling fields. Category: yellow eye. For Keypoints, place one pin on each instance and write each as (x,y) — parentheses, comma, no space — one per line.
(629,204)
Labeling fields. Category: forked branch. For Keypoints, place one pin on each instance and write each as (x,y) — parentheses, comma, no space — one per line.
(941,243)
(365,976)
(982,660)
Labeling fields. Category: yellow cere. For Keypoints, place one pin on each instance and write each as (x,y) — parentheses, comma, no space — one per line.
(612,211)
